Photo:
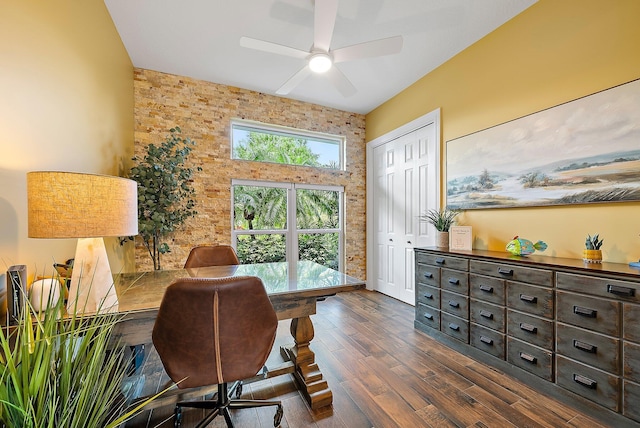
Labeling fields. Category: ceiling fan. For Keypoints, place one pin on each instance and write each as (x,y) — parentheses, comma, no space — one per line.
(321,58)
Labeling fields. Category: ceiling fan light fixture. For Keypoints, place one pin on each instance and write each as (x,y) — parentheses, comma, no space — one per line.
(320,62)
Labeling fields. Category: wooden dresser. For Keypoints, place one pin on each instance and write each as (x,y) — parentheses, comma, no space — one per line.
(568,329)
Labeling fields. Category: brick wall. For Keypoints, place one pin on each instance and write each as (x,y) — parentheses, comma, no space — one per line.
(203,110)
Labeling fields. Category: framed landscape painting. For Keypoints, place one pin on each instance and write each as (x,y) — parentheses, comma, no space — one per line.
(583,151)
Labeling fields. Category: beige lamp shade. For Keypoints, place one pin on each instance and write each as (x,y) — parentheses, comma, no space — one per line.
(78,205)
(87,207)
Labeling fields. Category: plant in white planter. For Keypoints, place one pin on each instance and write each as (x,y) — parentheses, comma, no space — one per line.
(442,220)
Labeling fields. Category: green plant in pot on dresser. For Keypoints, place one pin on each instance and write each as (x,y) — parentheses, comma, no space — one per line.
(592,252)
(442,220)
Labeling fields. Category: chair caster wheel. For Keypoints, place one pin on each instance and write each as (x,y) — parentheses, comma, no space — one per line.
(278,416)
(177,413)
(239,390)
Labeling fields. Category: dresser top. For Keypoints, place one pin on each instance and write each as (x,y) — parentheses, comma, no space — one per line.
(548,262)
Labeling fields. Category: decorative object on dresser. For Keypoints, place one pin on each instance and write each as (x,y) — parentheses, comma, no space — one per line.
(567,328)
(523,247)
(442,220)
(461,238)
(592,252)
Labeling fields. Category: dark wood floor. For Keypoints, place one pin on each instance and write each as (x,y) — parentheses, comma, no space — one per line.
(384,373)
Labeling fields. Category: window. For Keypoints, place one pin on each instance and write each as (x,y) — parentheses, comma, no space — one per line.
(268,143)
(283,221)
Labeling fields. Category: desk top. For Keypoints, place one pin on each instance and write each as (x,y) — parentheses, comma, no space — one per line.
(144,290)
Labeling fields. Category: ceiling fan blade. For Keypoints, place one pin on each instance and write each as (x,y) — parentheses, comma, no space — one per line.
(380,47)
(261,45)
(340,81)
(294,81)
(323,22)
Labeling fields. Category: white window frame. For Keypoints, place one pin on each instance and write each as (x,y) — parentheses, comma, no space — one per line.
(291,232)
(285,131)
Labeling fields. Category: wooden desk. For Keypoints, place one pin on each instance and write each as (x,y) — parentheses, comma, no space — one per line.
(293,290)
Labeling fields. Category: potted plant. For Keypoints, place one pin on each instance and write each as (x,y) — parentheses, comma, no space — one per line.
(592,252)
(442,220)
(62,371)
(165,192)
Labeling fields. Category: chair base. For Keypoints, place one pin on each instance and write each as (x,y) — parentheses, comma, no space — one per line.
(221,403)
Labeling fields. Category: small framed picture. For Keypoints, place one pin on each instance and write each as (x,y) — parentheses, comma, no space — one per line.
(460,238)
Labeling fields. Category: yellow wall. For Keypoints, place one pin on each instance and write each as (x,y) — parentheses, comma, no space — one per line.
(66,103)
(553,52)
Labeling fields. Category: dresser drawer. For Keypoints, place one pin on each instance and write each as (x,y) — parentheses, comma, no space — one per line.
(455,281)
(487,314)
(487,288)
(428,295)
(534,330)
(530,358)
(428,316)
(442,261)
(596,385)
(631,322)
(595,349)
(603,287)
(530,298)
(513,272)
(630,400)
(455,327)
(455,304)
(592,313)
(487,340)
(631,360)
(428,275)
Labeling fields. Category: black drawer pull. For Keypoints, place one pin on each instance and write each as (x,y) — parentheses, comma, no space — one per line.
(486,289)
(620,291)
(508,272)
(428,275)
(428,316)
(440,261)
(485,339)
(486,314)
(528,327)
(454,327)
(454,281)
(585,312)
(528,358)
(585,381)
(454,304)
(528,299)
(428,296)
(586,347)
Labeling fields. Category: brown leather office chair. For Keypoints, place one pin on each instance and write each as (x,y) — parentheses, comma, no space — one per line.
(215,331)
(211,255)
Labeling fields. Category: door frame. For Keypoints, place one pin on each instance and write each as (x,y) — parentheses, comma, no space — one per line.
(422,121)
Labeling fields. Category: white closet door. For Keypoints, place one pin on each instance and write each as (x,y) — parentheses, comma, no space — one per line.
(405,182)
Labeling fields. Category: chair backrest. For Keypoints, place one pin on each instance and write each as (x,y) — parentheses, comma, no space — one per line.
(211,255)
(211,331)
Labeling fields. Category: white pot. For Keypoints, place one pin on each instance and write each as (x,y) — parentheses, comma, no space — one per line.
(442,239)
(44,293)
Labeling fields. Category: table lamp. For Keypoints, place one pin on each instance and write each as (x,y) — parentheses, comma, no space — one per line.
(87,207)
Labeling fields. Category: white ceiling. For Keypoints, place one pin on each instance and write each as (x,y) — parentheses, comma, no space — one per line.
(200,39)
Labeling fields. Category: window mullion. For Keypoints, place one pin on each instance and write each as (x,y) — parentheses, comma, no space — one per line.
(292,224)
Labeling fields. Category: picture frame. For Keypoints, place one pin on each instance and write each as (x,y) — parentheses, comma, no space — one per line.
(460,238)
(583,151)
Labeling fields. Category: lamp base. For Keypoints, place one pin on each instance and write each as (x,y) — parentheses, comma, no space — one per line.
(92,289)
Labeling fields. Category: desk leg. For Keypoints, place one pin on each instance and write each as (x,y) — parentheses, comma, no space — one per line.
(307,373)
